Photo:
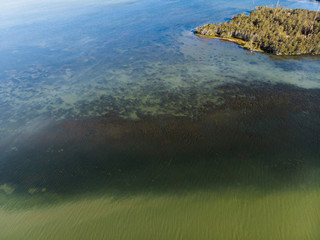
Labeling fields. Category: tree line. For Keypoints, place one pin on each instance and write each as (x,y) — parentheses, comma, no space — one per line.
(276,30)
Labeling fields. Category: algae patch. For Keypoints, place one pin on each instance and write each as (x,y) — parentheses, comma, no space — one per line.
(7,188)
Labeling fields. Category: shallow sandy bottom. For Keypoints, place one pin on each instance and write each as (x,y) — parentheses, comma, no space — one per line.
(232,214)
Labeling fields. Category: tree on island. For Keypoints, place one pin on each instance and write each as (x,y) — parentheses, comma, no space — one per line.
(277,30)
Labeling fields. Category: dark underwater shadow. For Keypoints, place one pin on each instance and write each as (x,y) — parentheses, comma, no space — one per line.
(258,135)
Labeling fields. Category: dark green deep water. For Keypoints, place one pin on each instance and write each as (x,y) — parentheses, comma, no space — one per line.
(118,123)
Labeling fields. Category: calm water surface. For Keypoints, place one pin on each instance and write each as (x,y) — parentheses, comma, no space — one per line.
(118,123)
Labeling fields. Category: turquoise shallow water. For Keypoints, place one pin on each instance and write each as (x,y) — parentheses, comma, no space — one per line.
(117,121)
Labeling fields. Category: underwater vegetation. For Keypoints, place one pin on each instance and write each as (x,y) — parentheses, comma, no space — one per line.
(278,30)
(257,134)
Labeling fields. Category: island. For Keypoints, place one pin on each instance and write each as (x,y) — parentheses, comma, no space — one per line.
(277,30)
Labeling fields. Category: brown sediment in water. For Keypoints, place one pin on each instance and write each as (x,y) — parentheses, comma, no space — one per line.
(260,128)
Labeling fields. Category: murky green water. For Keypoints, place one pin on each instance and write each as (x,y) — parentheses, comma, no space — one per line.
(118,123)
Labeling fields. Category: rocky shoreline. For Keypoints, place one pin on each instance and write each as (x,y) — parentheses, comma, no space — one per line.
(238,41)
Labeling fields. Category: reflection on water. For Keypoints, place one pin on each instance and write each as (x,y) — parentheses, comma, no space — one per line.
(119,122)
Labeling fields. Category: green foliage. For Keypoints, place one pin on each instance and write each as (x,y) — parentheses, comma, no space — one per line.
(278,30)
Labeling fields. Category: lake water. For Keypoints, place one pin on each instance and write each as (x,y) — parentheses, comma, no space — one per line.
(117,122)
